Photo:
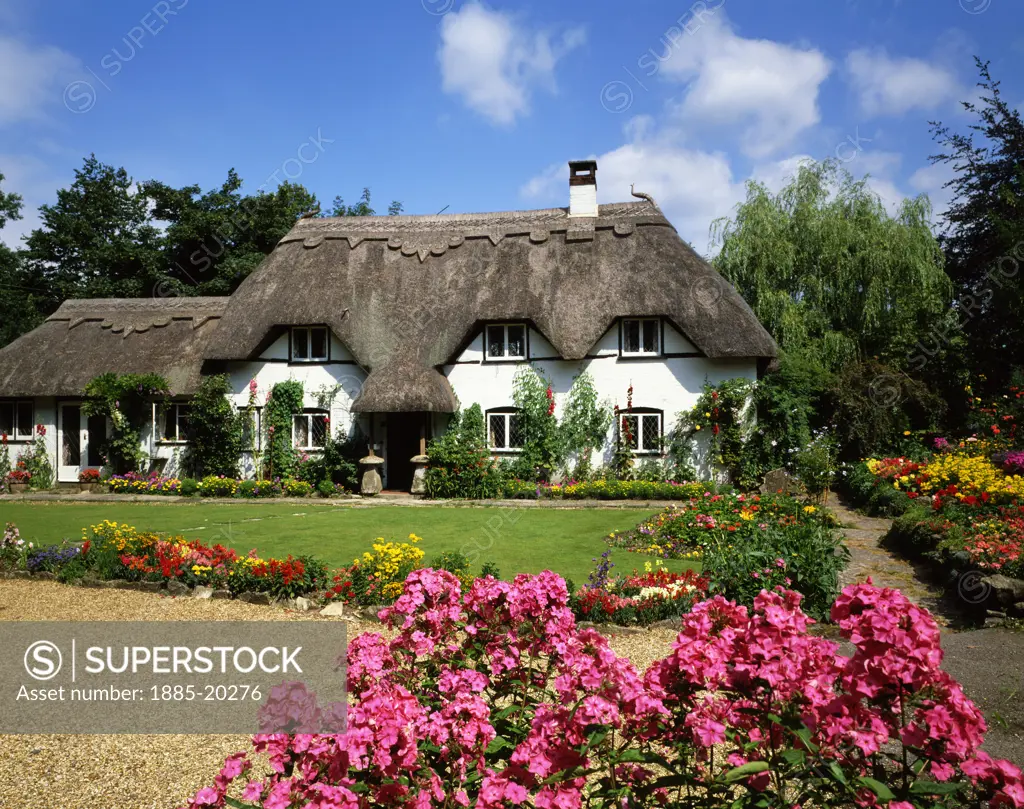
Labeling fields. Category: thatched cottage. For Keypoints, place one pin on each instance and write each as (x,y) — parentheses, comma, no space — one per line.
(401,319)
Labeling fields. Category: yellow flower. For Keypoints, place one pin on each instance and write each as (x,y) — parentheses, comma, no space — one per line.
(906,432)
(809,509)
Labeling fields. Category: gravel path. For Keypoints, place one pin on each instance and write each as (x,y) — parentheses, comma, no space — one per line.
(988,663)
(149,772)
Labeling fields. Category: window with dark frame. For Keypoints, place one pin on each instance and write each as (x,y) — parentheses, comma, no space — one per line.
(310,344)
(175,422)
(16,419)
(251,419)
(310,429)
(641,431)
(505,341)
(504,430)
(641,337)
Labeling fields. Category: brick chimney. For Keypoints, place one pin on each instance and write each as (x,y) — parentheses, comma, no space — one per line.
(582,188)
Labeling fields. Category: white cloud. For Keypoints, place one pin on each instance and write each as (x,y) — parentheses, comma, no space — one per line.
(494,63)
(32,79)
(767,88)
(888,85)
(691,186)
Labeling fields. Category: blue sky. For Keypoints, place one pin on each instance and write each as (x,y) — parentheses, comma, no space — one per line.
(478,106)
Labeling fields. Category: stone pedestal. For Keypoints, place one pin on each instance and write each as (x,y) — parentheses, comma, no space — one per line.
(371,483)
(419,475)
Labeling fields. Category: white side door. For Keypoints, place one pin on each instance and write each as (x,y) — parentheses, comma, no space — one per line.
(70,441)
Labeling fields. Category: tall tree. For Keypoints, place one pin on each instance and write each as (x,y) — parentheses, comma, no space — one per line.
(850,293)
(97,241)
(826,267)
(19,298)
(362,208)
(984,243)
(212,241)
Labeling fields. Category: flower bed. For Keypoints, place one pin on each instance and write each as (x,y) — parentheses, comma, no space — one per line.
(111,552)
(746,542)
(639,598)
(962,508)
(603,490)
(210,486)
(495,698)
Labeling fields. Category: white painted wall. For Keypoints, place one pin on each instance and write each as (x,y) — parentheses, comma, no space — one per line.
(670,384)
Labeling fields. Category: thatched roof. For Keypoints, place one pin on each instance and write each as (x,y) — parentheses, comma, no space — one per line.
(85,338)
(404,293)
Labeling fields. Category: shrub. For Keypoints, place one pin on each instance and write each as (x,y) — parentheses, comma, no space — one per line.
(325,488)
(815,465)
(214,486)
(189,487)
(378,574)
(807,558)
(13,549)
(214,430)
(496,698)
(126,400)
(297,488)
(490,569)
(285,400)
(258,488)
(460,463)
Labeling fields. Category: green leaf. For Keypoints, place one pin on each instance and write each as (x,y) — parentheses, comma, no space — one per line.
(741,772)
(935,787)
(238,804)
(881,790)
(498,744)
(631,755)
(837,772)
(793,757)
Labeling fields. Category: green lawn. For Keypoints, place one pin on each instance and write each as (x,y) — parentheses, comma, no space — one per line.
(518,540)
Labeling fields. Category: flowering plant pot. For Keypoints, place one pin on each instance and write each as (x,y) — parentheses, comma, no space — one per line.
(86,488)
(18,488)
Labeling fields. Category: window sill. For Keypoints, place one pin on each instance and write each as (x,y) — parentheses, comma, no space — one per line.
(516,451)
(310,361)
(170,442)
(641,355)
(490,360)
(308,449)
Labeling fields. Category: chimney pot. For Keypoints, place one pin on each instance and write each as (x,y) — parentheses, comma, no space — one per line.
(583,188)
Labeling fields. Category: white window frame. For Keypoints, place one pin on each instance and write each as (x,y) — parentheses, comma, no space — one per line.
(16,404)
(309,415)
(645,323)
(506,414)
(640,414)
(180,411)
(294,337)
(506,357)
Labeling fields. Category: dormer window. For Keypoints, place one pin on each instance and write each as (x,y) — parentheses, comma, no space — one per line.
(310,344)
(641,337)
(505,341)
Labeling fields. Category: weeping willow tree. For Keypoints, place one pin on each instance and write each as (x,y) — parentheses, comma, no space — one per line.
(831,273)
(858,300)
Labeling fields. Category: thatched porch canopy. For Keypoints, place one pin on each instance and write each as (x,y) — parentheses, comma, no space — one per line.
(405,293)
(86,338)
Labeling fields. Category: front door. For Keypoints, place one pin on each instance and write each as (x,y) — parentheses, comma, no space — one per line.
(70,440)
(403,442)
(80,441)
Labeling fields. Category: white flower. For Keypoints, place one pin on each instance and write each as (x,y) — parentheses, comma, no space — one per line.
(775,443)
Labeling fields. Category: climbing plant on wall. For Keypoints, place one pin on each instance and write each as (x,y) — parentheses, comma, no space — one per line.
(125,399)
(286,399)
(585,423)
(718,425)
(215,431)
(543,446)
